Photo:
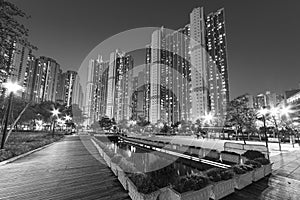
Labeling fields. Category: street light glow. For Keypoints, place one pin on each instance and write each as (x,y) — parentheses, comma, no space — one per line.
(263,111)
(13,87)
(208,117)
(68,117)
(286,110)
(55,112)
(274,111)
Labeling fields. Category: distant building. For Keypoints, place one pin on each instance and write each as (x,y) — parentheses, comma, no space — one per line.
(216,46)
(29,77)
(138,97)
(16,61)
(46,79)
(200,87)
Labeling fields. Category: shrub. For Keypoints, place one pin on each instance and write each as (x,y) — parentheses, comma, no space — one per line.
(143,183)
(262,161)
(247,167)
(238,169)
(116,159)
(226,174)
(190,182)
(253,163)
(216,174)
(252,154)
(127,166)
(164,176)
(109,153)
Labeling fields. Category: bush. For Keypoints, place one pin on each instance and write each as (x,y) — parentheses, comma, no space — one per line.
(109,152)
(127,166)
(262,161)
(252,154)
(216,174)
(190,182)
(247,167)
(116,159)
(238,169)
(253,163)
(164,176)
(143,183)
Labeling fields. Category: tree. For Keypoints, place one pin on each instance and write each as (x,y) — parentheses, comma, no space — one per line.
(240,115)
(165,129)
(106,123)
(77,114)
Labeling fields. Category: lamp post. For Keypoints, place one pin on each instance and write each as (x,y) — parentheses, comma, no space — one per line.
(11,87)
(55,112)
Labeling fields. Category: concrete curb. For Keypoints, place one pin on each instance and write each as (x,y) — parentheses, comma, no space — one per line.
(27,153)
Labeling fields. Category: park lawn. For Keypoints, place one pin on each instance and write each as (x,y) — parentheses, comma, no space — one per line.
(22,142)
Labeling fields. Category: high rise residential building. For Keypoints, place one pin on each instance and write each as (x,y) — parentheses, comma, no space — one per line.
(60,92)
(119,88)
(16,61)
(157,70)
(267,99)
(89,95)
(69,87)
(189,70)
(96,90)
(147,83)
(29,77)
(138,96)
(217,63)
(170,76)
(77,94)
(45,80)
(200,87)
(124,87)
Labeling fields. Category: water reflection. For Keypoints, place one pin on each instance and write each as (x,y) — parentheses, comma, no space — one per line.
(146,160)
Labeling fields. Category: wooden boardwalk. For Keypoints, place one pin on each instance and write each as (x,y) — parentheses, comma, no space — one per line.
(69,169)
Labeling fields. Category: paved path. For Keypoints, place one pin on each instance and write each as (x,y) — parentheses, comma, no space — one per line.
(69,169)
(284,183)
(219,144)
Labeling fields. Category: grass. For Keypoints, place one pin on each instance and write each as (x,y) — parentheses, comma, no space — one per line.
(22,142)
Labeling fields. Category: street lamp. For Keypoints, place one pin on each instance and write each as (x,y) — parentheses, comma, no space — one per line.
(68,117)
(208,118)
(55,112)
(11,88)
(279,112)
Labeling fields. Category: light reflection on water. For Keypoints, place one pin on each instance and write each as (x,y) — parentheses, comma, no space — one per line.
(146,160)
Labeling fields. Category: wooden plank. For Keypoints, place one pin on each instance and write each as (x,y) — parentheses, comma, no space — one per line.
(70,169)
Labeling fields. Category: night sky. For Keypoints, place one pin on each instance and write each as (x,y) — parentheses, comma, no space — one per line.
(263,36)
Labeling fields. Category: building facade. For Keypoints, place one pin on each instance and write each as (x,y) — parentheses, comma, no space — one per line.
(216,46)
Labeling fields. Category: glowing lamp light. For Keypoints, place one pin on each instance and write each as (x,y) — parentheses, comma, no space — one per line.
(13,87)
(286,110)
(263,111)
(208,118)
(55,112)
(68,117)
(274,111)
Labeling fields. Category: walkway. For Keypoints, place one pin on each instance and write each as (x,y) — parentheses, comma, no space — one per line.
(69,169)
(219,144)
(284,183)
